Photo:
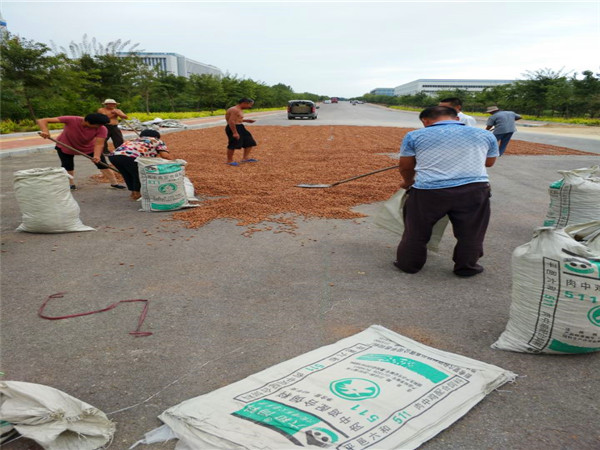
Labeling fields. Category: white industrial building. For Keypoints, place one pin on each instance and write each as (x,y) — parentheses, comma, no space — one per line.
(383,91)
(176,64)
(432,85)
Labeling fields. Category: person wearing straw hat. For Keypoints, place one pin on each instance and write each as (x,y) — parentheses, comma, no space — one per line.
(503,124)
(114,114)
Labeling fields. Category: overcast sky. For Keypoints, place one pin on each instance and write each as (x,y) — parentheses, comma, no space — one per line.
(335,48)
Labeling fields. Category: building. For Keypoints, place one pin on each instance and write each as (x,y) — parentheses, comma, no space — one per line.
(3,28)
(383,91)
(432,85)
(175,64)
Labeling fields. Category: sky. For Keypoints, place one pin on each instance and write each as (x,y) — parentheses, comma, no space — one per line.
(343,49)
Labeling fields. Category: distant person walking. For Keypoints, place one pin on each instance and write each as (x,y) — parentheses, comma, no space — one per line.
(456,103)
(443,169)
(114,114)
(86,134)
(238,136)
(503,124)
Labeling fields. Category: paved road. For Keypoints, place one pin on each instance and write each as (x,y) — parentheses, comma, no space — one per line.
(223,306)
(344,113)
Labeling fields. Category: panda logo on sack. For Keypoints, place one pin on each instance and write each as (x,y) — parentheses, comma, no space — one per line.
(582,266)
(321,437)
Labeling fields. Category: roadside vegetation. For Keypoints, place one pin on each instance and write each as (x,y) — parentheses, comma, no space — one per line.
(544,95)
(39,81)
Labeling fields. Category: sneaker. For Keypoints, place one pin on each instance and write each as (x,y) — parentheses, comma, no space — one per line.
(117,186)
(73,187)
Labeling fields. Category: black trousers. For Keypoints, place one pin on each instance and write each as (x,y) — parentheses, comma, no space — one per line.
(114,133)
(129,171)
(467,206)
(67,161)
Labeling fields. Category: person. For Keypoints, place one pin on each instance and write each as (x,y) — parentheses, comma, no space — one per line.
(443,169)
(86,134)
(238,136)
(114,132)
(456,103)
(503,123)
(147,145)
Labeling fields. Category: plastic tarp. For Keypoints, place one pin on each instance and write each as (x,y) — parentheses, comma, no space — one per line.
(53,419)
(376,389)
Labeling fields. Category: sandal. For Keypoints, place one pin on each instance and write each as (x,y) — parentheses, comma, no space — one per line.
(249,160)
(233,164)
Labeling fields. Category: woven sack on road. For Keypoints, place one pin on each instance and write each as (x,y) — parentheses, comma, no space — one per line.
(390,217)
(575,198)
(555,296)
(376,389)
(163,185)
(46,202)
(53,419)
(190,191)
(586,233)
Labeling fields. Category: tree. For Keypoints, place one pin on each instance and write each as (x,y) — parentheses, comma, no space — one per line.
(171,86)
(208,91)
(77,50)
(26,67)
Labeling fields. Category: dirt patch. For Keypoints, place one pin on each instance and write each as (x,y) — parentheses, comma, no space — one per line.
(263,195)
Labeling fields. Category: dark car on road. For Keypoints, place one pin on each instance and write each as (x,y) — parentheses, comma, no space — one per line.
(302,108)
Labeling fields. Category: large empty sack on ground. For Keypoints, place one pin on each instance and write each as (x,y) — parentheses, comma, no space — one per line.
(46,202)
(376,389)
(390,217)
(163,184)
(555,296)
(53,419)
(575,198)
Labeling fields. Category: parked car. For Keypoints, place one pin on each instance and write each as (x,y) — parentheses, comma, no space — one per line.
(302,108)
(327,102)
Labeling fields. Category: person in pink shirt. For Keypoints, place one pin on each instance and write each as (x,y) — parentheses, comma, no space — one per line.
(86,134)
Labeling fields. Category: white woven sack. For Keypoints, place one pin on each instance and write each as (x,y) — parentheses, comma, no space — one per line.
(575,198)
(46,202)
(55,420)
(163,185)
(390,217)
(190,191)
(586,233)
(555,296)
(376,389)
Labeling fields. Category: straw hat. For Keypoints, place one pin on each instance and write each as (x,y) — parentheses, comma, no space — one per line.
(492,109)
(110,101)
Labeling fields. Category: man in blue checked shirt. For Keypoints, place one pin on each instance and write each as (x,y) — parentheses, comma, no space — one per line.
(443,168)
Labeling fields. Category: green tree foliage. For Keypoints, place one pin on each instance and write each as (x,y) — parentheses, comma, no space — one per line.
(26,70)
(75,80)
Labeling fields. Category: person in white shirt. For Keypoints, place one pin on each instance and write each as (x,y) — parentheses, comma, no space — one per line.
(456,103)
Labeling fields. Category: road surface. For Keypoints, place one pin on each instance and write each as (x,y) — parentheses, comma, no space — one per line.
(224,306)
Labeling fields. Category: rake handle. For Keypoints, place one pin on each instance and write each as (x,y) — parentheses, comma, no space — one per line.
(81,153)
(364,175)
